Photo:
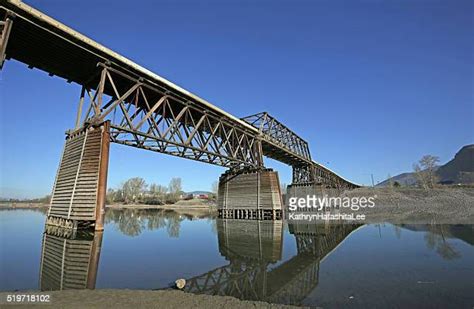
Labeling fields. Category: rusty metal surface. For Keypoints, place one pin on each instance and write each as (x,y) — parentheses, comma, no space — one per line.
(278,141)
(6,23)
(143,116)
(102,181)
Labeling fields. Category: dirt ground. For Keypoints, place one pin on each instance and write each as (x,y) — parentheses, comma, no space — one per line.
(9,205)
(141,299)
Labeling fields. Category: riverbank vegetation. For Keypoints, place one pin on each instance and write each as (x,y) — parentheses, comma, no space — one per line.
(136,191)
(36,201)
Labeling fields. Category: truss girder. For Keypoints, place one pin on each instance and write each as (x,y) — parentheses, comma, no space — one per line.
(146,117)
(317,174)
(278,134)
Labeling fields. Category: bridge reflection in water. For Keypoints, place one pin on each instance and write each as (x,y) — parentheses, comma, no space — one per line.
(69,260)
(253,249)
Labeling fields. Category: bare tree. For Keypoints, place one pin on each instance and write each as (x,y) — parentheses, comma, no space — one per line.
(175,186)
(156,194)
(158,190)
(215,187)
(133,189)
(425,171)
(390,181)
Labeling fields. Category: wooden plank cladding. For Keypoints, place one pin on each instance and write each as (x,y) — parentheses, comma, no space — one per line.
(250,194)
(80,179)
(69,263)
(250,239)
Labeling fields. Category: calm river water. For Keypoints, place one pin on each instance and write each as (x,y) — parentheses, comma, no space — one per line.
(372,265)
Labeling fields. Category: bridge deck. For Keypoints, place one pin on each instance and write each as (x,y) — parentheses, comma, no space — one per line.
(44,43)
(47,44)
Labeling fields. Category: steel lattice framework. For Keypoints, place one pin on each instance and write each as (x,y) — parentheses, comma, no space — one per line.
(277,137)
(242,279)
(144,116)
(147,117)
(144,109)
(316,173)
(276,133)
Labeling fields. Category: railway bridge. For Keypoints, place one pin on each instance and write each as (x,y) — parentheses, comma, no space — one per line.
(255,271)
(253,248)
(122,102)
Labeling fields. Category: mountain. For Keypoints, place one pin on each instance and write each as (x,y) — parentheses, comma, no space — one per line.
(199,192)
(459,170)
(405,179)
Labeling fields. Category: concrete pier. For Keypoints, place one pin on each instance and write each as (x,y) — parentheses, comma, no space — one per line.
(250,194)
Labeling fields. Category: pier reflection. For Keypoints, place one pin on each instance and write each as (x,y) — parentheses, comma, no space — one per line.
(250,246)
(254,251)
(69,259)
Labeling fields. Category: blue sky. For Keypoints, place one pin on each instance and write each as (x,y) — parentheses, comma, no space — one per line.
(371,85)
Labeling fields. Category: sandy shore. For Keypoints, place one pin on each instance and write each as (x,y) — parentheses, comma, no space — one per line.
(182,207)
(141,299)
(9,205)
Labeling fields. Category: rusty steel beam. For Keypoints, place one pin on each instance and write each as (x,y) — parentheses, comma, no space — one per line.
(316,174)
(94,260)
(276,136)
(143,116)
(282,144)
(5,29)
(102,183)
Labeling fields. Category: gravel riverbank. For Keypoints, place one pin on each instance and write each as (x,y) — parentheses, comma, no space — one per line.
(413,205)
(142,299)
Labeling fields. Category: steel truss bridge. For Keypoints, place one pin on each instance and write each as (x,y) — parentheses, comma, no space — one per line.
(250,278)
(146,111)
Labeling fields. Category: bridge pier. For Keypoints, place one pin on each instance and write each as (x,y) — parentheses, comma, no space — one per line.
(69,260)
(78,198)
(250,194)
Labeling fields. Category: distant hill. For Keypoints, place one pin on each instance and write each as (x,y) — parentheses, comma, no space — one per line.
(405,179)
(459,170)
(199,192)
